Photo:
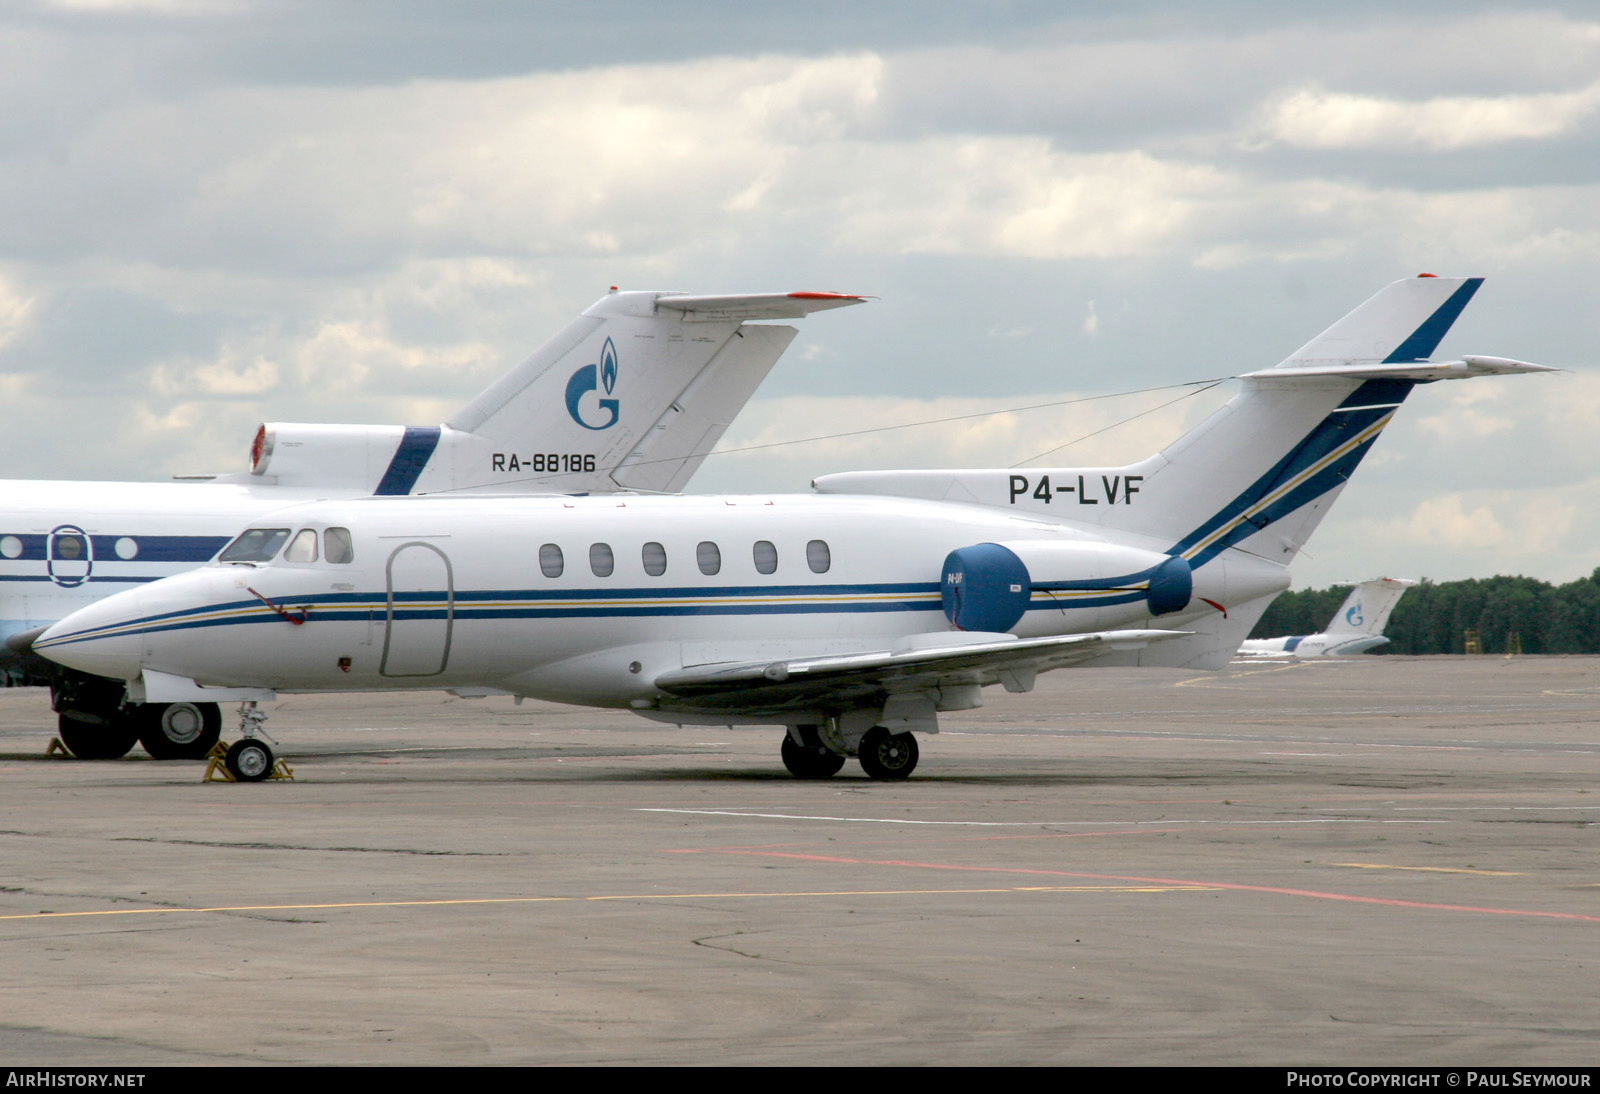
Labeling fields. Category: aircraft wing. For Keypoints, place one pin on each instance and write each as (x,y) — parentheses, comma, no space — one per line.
(941,660)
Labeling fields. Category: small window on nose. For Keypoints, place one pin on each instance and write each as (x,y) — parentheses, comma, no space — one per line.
(303,548)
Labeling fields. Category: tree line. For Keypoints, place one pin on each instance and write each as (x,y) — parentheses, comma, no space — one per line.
(1434,617)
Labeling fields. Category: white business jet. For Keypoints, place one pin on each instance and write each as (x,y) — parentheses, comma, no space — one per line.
(1355,628)
(853,617)
(633,394)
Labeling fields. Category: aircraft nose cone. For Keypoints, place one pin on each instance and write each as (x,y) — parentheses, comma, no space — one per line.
(97,639)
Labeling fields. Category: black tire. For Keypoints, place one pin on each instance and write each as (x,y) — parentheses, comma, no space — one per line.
(96,735)
(249,760)
(886,755)
(812,760)
(178,731)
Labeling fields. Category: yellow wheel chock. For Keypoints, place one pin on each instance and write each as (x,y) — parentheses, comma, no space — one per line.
(220,770)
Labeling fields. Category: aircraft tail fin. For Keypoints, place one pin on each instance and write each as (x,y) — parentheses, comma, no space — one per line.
(1366,610)
(1260,473)
(631,395)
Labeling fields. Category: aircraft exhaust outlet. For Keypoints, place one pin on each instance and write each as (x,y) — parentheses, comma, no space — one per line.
(1171,586)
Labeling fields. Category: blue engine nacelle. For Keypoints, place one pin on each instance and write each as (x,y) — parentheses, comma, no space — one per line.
(989,586)
(984,587)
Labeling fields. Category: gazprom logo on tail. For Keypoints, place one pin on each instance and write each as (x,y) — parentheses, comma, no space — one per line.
(1353,616)
(590,378)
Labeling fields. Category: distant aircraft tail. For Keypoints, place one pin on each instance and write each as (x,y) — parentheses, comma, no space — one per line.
(632,395)
(1366,610)
(1260,473)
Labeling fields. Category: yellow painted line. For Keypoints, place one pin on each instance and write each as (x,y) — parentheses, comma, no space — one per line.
(1431,869)
(613,897)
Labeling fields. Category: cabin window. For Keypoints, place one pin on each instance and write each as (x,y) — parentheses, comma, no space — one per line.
(766,556)
(303,548)
(655,559)
(69,548)
(709,558)
(337,546)
(818,557)
(551,562)
(601,560)
(256,545)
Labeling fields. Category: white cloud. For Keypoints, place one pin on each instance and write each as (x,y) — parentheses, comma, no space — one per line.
(1317,118)
(14,310)
(378,247)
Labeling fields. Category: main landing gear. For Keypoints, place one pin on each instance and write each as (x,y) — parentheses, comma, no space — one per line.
(96,733)
(809,753)
(810,758)
(96,723)
(886,755)
(178,731)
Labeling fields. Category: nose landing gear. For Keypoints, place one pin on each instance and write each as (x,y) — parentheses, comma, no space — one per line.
(249,759)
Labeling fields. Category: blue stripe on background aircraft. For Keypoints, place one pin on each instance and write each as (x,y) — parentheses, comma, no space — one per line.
(632,395)
(1355,628)
(853,617)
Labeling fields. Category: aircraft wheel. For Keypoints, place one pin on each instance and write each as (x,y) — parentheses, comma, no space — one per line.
(178,731)
(886,755)
(91,736)
(812,760)
(249,760)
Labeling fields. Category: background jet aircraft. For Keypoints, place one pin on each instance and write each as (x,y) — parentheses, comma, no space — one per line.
(1355,628)
(851,617)
(633,394)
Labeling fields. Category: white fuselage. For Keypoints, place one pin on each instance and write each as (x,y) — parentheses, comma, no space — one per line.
(1311,647)
(459,593)
(64,545)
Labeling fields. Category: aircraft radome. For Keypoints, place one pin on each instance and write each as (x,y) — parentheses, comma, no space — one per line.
(1354,629)
(633,394)
(852,616)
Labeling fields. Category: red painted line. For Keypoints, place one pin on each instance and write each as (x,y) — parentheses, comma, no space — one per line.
(1314,894)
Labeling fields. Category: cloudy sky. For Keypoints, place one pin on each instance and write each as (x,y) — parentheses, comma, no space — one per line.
(217,213)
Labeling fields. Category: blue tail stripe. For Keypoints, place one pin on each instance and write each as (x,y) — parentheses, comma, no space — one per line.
(1379,393)
(1426,338)
(1333,431)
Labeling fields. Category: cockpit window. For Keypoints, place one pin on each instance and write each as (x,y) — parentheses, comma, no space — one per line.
(303,548)
(256,545)
(337,547)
